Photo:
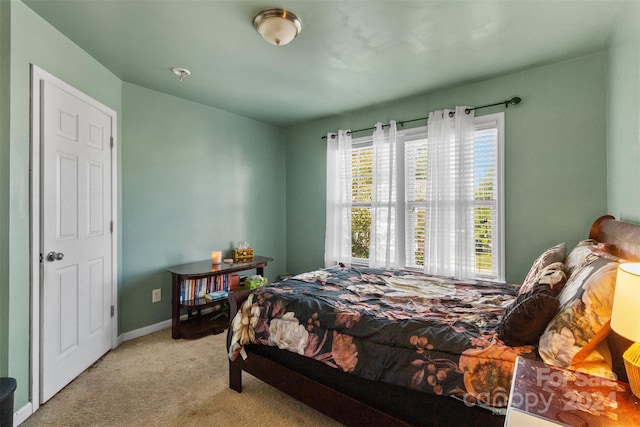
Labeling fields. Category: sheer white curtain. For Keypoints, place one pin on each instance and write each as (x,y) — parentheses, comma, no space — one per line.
(339,199)
(449,224)
(383,244)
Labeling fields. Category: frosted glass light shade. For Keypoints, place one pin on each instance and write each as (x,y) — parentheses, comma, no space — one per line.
(277,26)
(625,317)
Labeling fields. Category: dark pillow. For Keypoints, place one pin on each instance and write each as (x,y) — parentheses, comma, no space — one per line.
(526,318)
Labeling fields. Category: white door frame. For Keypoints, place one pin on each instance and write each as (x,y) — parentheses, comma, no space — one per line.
(38,74)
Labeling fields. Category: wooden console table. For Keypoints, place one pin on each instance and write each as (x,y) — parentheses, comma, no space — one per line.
(198,324)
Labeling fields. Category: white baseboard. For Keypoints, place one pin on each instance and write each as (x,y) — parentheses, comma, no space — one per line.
(22,414)
(137,333)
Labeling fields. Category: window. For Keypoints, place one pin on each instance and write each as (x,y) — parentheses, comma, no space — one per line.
(361,188)
(413,198)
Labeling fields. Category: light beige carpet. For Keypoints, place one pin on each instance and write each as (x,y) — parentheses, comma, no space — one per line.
(158,381)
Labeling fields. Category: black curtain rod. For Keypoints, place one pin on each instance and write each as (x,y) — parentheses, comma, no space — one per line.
(513,101)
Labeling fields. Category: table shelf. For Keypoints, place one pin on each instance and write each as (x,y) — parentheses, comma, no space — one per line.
(203,315)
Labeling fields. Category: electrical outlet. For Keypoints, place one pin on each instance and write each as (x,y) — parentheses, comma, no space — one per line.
(156,295)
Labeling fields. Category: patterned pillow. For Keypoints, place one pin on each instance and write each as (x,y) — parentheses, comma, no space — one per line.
(553,277)
(585,310)
(556,253)
(527,317)
(579,254)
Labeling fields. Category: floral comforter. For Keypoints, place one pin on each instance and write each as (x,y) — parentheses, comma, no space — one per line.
(422,332)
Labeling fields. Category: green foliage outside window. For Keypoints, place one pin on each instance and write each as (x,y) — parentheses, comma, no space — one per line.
(361,188)
(360,232)
(483,221)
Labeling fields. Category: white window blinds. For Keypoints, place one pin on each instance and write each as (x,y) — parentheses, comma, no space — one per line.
(410,202)
(484,168)
(361,188)
(488,197)
(416,200)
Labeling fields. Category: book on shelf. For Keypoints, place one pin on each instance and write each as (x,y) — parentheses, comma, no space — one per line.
(216,295)
(212,287)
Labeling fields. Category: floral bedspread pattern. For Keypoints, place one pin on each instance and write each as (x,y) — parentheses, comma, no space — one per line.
(421,332)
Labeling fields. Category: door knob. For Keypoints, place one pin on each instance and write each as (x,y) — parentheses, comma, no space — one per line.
(52,256)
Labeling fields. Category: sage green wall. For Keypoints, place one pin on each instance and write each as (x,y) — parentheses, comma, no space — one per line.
(195,179)
(238,163)
(624,115)
(35,41)
(555,158)
(5,38)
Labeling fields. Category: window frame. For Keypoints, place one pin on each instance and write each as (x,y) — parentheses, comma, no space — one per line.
(495,120)
(486,120)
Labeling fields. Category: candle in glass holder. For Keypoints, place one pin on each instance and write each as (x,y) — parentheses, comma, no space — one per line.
(216,257)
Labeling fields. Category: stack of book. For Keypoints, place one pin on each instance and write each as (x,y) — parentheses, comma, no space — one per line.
(211,288)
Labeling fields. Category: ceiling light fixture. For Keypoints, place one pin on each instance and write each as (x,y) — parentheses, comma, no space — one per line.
(181,72)
(277,26)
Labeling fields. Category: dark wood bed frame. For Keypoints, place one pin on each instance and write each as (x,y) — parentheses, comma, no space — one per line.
(358,402)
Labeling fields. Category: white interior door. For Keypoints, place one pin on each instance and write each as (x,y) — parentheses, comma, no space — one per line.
(76,241)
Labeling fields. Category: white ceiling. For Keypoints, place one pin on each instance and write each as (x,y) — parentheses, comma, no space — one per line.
(350,54)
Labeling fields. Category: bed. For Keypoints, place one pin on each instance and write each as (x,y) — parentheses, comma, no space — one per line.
(376,347)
